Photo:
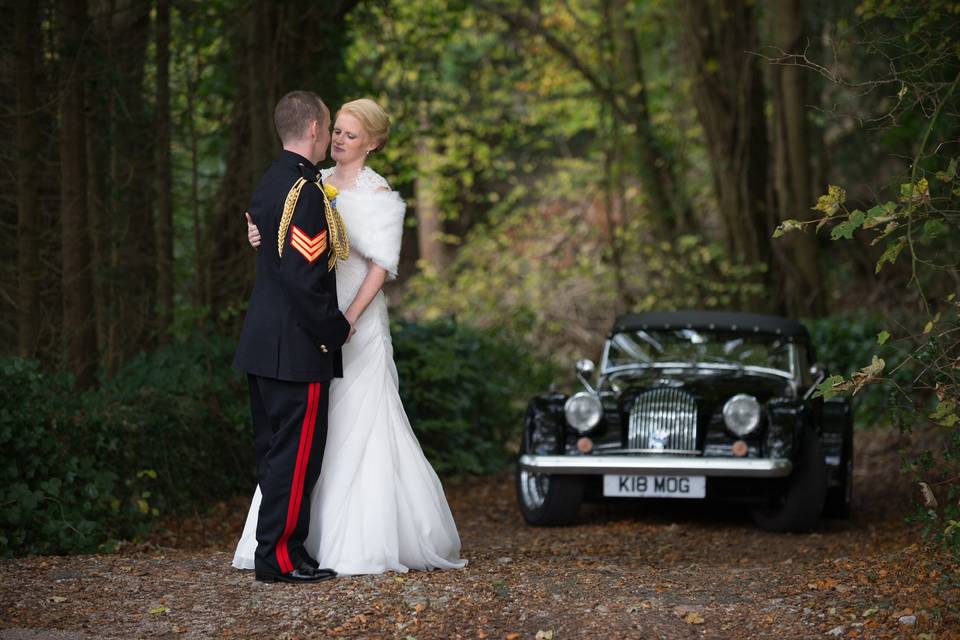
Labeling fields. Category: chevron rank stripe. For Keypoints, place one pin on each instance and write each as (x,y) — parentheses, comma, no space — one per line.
(309,247)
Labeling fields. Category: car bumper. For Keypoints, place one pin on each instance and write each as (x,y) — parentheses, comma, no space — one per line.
(665,465)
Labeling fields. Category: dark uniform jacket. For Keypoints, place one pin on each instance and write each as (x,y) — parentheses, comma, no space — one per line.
(293,329)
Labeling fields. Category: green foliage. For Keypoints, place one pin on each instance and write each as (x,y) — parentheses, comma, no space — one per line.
(170,432)
(464,391)
(181,411)
(914,226)
(57,493)
(544,273)
(844,342)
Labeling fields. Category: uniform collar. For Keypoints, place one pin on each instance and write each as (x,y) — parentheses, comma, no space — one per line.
(296,160)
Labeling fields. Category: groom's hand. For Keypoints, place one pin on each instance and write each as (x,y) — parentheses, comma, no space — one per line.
(253,233)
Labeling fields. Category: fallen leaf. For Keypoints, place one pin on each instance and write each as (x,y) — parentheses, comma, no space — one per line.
(513,635)
(693,618)
(57,599)
(157,610)
(544,635)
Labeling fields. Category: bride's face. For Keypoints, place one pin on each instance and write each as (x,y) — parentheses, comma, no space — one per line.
(350,140)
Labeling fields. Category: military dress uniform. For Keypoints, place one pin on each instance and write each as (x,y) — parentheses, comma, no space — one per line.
(290,350)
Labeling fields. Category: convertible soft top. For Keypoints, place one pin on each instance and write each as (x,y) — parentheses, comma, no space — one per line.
(712,321)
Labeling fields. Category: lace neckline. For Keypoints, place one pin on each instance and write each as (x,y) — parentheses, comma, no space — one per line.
(367,179)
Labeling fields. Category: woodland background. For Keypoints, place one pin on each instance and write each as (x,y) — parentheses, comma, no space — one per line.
(563,161)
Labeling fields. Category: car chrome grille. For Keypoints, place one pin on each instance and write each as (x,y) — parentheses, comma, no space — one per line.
(664,420)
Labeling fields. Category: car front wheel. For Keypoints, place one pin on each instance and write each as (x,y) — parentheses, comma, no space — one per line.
(798,506)
(548,500)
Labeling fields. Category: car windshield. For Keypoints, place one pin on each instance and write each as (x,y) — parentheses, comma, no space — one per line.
(690,347)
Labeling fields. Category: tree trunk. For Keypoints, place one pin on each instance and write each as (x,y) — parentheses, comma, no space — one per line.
(429,220)
(200,290)
(664,199)
(79,336)
(131,171)
(261,78)
(620,81)
(164,184)
(729,98)
(795,190)
(27,38)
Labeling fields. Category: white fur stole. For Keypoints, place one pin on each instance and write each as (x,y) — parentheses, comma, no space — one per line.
(374,221)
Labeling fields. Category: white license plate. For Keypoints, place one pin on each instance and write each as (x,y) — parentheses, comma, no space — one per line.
(655,486)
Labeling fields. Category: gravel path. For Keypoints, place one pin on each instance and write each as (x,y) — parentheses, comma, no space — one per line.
(652,570)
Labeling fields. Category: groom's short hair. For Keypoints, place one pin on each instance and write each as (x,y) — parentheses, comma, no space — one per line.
(295,111)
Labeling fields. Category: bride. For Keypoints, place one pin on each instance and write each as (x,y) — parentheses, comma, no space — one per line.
(378,505)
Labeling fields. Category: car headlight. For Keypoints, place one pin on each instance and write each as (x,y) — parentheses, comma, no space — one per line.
(741,414)
(582,411)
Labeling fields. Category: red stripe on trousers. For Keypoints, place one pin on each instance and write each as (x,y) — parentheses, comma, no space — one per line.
(299,476)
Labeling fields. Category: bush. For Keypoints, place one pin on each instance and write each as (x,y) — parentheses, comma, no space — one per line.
(170,432)
(56,495)
(844,343)
(181,413)
(465,391)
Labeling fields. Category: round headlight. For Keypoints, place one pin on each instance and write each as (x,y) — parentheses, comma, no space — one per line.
(582,411)
(741,414)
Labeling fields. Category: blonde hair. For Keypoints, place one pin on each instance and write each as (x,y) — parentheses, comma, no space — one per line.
(372,117)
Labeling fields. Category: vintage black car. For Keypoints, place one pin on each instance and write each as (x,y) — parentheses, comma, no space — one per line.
(693,404)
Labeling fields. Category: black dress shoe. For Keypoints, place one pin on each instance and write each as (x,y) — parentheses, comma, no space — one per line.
(311,567)
(296,576)
(310,562)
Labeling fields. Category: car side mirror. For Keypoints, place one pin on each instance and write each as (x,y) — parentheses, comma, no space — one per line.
(585,369)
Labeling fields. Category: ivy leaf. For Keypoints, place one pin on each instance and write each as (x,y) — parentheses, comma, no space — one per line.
(831,387)
(945,413)
(883,336)
(879,214)
(890,254)
(949,173)
(830,202)
(933,229)
(787,225)
(846,229)
(869,373)
(914,193)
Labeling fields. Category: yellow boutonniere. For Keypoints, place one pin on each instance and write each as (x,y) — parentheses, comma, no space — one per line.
(330,190)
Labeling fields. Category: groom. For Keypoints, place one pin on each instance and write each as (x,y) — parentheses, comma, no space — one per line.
(291,339)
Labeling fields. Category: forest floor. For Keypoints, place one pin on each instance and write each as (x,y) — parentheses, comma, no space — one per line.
(624,571)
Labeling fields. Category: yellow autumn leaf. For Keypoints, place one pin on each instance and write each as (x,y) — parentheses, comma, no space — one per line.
(693,618)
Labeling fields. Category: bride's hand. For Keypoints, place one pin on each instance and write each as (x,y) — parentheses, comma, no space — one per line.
(253,234)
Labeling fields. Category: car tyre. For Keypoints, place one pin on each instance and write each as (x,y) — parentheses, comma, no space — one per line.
(799,506)
(840,498)
(548,500)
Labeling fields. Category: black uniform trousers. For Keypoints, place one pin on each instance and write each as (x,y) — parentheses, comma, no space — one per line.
(290,432)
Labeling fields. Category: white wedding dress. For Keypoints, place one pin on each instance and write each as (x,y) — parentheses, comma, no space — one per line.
(378,505)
